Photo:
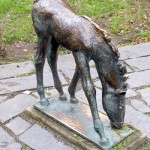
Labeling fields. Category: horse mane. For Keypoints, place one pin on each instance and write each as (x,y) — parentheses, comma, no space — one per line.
(114,49)
(105,36)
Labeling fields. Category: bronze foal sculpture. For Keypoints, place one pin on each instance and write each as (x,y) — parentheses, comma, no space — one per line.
(56,24)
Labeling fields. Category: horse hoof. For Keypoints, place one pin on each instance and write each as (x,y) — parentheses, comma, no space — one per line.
(74,100)
(104,142)
(45,102)
(63,97)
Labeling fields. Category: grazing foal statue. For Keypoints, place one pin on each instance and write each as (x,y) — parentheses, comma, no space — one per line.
(56,24)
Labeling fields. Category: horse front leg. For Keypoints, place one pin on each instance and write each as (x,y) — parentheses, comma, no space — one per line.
(90,92)
(72,87)
(39,64)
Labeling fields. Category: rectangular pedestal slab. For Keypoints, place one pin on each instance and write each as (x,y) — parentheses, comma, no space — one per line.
(77,118)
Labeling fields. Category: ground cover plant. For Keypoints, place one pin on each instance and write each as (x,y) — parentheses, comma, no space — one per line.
(126,20)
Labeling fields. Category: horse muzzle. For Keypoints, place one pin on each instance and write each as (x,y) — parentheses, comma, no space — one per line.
(117,125)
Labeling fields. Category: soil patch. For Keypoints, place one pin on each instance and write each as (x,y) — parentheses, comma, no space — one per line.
(18,52)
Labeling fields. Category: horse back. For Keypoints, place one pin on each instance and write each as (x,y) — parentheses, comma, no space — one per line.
(56,18)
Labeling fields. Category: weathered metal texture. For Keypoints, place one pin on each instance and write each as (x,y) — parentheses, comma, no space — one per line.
(79,120)
(56,24)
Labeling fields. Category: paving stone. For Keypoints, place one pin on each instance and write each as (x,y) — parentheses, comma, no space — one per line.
(80,94)
(35,94)
(18,125)
(54,92)
(67,65)
(129,70)
(130,93)
(40,139)
(16,69)
(69,73)
(94,73)
(15,106)
(5,139)
(140,106)
(26,83)
(38,97)
(139,79)
(2,98)
(145,93)
(135,51)
(14,146)
(98,84)
(138,120)
(138,64)
(66,62)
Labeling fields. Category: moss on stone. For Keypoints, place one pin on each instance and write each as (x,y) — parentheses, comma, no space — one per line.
(126,141)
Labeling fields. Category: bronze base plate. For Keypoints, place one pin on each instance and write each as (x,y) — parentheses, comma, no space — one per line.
(78,119)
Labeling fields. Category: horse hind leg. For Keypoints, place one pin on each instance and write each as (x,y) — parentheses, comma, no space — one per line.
(52,57)
(39,64)
(72,87)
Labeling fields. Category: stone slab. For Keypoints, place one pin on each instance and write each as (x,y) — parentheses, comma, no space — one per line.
(54,92)
(145,93)
(5,139)
(18,125)
(26,83)
(140,106)
(94,73)
(129,70)
(81,95)
(15,69)
(139,79)
(66,64)
(70,72)
(98,84)
(40,139)
(131,93)
(139,64)
(2,98)
(15,106)
(138,120)
(135,51)
(77,118)
(14,146)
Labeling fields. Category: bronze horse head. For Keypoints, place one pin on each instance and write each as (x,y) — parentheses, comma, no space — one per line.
(56,24)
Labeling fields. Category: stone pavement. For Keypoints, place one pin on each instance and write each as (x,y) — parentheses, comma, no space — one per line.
(18,91)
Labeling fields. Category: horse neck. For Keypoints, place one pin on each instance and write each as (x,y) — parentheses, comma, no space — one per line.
(107,67)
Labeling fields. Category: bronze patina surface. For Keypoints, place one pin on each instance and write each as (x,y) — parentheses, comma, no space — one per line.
(56,24)
(78,119)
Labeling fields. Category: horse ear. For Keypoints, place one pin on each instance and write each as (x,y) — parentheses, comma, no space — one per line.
(120,92)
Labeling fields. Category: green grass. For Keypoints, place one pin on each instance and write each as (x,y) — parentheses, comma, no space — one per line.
(126,142)
(145,146)
(0,60)
(126,18)
(15,21)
